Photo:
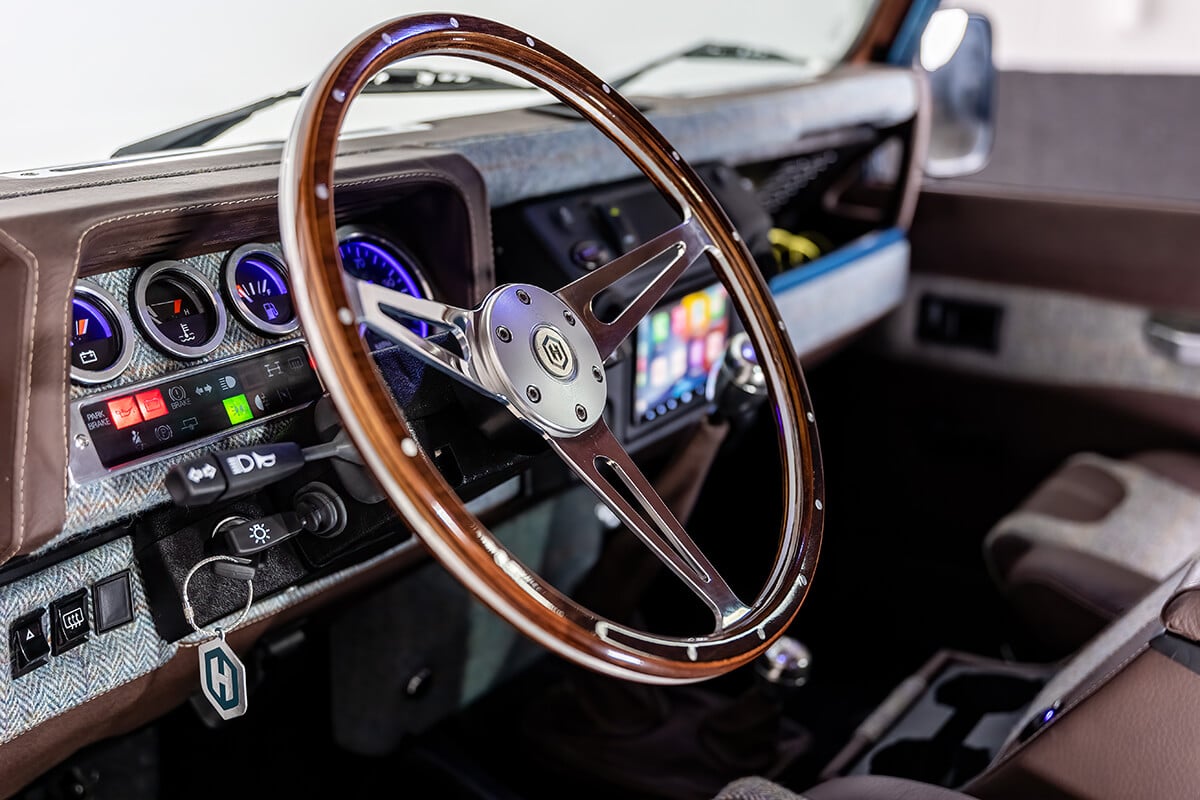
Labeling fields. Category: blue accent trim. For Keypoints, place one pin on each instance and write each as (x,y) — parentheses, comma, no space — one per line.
(843,256)
(908,38)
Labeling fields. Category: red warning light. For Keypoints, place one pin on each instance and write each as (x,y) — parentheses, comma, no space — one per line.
(151,403)
(124,412)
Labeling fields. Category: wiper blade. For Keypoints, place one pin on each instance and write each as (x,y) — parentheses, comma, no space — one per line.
(389,81)
(705,50)
(195,134)
(715,51)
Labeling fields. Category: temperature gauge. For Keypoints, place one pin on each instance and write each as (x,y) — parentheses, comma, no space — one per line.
(101,336)
(256,282)
(177,308)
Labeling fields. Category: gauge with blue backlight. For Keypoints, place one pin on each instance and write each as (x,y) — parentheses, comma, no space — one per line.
(377,260)
(101,336)
(256,284)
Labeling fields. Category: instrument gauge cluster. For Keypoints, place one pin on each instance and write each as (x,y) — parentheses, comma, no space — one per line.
(367,256)
(186,309)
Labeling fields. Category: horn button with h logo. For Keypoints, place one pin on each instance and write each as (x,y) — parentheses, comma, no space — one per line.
(553,352)
(541,359)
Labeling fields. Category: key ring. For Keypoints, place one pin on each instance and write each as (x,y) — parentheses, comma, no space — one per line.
(189,614)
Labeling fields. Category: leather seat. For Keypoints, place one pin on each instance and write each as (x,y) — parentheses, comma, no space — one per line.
(1117,720)
(1093,539)
(863,787)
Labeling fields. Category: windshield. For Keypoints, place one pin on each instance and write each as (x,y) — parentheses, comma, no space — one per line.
(119,72)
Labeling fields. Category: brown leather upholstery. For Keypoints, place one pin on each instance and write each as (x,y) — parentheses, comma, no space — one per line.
(1068,589)
(861,787)
(1136,737)
(1126,725)
(1181,614)
(1125,705)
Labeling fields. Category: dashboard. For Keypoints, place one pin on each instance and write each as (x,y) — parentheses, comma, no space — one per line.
(174,307)
(148,325)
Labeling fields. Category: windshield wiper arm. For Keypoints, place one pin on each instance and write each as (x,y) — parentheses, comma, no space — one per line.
(709,50)
(197,133)
(705,50)
(389,81)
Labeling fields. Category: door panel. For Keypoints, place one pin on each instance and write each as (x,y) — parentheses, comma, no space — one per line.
(1075,281)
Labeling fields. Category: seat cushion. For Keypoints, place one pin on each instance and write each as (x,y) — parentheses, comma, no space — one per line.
(864,787)
(1094,538)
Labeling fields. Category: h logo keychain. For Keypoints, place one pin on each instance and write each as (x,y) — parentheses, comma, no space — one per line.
(222,673)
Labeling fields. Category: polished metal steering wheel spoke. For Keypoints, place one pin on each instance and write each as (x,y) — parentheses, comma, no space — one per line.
(639,506)
(682,245)
(371,302)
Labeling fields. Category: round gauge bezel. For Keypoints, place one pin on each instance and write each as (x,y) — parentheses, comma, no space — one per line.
(240,309)
(124,326)
(348,233)
(206,290)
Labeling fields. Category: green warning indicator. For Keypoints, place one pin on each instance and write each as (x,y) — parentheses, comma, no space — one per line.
(238,409)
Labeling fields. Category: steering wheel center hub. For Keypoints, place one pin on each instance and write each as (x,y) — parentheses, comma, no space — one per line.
(535,353)
(553,352)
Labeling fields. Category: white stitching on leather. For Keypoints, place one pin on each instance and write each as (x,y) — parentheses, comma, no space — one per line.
(18,537)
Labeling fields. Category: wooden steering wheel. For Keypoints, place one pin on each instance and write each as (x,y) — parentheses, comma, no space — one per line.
(522,335)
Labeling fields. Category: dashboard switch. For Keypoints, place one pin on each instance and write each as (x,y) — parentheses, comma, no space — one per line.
(69,621)
(197,482)
(232,473)
(27,643)
(619,226)
(257,535)
(590,254)
(112,602)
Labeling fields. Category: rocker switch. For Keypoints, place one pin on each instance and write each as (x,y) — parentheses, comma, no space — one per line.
(27,643)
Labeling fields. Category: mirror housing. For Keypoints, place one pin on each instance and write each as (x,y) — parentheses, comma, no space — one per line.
(956,52)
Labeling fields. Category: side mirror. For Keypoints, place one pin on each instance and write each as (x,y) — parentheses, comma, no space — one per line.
(956,51)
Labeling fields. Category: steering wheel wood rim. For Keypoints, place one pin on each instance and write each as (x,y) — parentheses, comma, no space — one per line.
(331,308)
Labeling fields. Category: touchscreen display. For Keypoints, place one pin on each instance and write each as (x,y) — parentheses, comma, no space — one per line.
(148,419)
(677,344)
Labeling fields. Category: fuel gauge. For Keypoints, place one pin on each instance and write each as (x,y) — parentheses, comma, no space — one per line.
(256,283)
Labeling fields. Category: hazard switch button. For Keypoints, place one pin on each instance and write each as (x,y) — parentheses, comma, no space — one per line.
(27,643)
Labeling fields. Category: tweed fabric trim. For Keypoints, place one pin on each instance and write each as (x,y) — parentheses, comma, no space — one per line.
(1153,530)
(102,663)
(109,500)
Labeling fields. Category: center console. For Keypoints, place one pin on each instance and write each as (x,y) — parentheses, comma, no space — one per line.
(946,723)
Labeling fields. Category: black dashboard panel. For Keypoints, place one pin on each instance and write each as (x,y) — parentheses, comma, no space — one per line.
(136,423)
(553,241)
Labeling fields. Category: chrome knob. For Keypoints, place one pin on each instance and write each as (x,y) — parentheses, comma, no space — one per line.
(785,664)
